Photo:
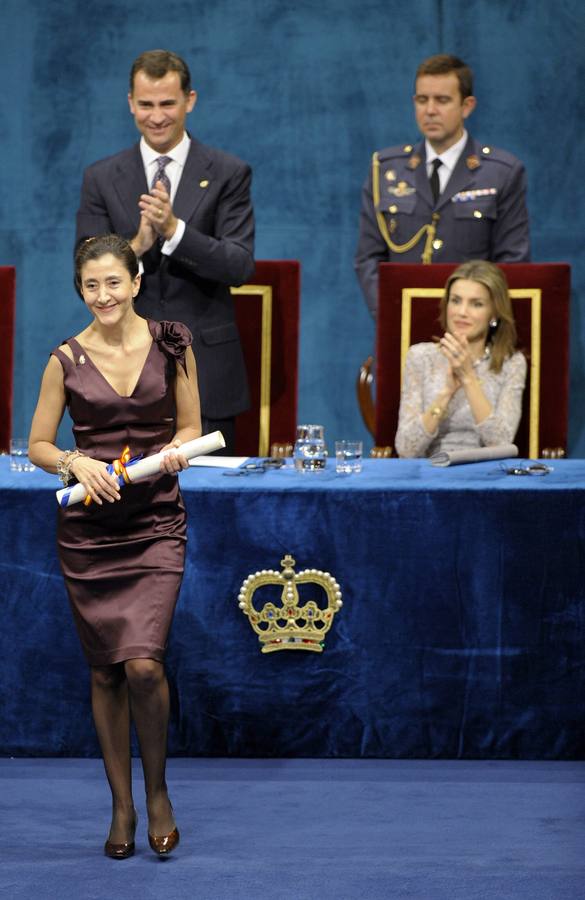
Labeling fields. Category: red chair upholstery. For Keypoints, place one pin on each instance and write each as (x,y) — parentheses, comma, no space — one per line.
(408,313)
(7,303)
(267,313)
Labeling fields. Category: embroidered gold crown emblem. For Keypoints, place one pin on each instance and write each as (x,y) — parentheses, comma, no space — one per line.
(288,624)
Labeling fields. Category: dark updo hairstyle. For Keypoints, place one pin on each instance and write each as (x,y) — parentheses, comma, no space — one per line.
(96,247)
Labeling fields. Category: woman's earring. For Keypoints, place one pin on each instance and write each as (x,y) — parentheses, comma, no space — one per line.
(493,323)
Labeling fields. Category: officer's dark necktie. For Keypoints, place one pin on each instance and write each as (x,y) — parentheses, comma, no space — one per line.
(161,175)
(434,180)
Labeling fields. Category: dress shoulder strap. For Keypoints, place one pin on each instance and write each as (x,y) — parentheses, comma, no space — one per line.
(76,350)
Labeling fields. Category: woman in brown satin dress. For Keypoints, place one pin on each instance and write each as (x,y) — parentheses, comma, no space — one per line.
(126,381)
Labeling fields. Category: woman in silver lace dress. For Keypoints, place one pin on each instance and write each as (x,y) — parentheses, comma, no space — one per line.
(466,390)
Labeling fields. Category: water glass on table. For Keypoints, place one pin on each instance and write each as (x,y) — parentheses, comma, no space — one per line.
(19,461)
(310,451)
(348,457)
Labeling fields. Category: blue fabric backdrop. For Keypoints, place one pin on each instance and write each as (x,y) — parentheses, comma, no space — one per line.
(304,91)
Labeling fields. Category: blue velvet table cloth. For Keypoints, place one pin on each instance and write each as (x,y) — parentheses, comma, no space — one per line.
(461,634)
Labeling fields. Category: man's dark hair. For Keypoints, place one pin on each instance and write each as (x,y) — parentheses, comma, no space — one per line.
(443,64)
(156,64)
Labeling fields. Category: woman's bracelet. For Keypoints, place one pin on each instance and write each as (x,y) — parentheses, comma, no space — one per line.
(64,464)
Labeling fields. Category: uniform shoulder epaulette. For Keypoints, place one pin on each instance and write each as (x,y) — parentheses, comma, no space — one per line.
(400,151)
(496,154)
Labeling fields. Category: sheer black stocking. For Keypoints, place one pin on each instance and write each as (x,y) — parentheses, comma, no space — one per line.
(149,703)
(111,713)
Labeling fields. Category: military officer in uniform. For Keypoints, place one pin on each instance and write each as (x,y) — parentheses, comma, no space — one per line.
(447,198)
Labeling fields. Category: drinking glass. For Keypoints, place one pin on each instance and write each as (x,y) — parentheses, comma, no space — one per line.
(19,461)
(348,457)
(310,452)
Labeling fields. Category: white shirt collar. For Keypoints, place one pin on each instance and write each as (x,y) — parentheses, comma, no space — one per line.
(178,154)
(451,156)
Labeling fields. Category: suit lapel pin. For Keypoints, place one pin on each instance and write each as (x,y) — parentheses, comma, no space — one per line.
(204,183)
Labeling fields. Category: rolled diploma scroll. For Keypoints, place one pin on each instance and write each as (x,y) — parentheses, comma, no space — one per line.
(150,465)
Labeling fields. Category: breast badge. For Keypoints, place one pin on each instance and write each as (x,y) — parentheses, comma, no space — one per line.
(402,189)
(466,196)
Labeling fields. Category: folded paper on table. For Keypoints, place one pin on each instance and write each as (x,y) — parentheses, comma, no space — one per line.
(219,462)
(474,454)
(150,465)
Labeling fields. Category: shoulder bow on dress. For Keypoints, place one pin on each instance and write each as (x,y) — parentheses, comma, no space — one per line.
(173,338)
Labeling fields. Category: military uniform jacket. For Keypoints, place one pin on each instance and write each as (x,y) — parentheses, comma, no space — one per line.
(481,214)
(192,285)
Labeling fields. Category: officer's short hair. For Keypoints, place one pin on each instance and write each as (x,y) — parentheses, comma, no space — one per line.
(443,64)
(156,64)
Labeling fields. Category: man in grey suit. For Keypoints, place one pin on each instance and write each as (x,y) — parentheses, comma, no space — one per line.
(187,212)
(446,199)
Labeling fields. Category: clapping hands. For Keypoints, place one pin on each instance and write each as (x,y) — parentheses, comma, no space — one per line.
(455,348)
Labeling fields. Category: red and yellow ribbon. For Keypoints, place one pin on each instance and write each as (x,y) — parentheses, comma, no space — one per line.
(117,467)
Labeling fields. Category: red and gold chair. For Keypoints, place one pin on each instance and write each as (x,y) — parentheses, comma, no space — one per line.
(7,304)
(408,313)
(267,313)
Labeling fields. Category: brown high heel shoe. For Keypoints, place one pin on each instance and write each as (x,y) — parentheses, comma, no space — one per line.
(121,851)
(164,844)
